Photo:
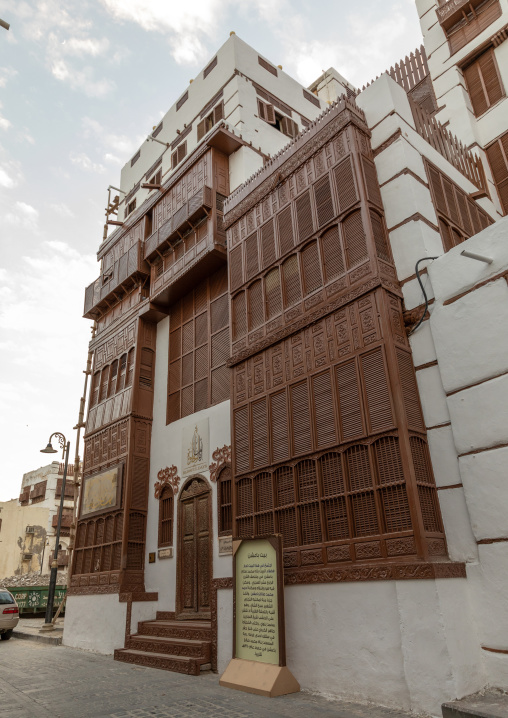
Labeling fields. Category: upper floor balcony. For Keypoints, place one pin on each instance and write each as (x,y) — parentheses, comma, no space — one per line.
(451,12)
(115,281)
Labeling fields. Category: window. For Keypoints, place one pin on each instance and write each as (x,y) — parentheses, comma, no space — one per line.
(459,217)
(286,125)
(156,179)
(157,130)
(178,155)
(497,154)
(199,348)
(112,378)
(121,373)
(210,67)
(166,512)
(94,391)
(311,98)
(224,502)
(131,207)
(483,82)
(266,65)
(136,158)
(182,100)
(473,21)
(206,124)
(38,493)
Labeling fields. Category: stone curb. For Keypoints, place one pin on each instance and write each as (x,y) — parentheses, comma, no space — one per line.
(48,640)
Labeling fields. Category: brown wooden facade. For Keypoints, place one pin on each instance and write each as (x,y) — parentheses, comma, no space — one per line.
(329,444)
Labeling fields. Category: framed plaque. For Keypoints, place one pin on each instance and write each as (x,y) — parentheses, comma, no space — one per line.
(102,492)
(259,645)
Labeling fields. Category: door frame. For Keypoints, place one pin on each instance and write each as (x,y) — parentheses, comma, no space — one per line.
(179,553)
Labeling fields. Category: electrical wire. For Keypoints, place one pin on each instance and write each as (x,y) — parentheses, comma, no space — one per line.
(423,259)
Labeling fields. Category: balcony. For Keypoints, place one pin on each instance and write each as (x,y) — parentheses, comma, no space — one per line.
(197,207)
(115,281)
(449,13)
(188,247)
(66,521)
(62,560)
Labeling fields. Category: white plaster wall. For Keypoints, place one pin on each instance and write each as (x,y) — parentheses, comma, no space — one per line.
(242,164)
(485,480)
(224,628)
(142,611)
(457,522)
(489,585)
(95,623)
(404,644)
(432,396)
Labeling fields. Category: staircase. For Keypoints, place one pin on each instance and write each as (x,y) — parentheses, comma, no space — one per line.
(178,646)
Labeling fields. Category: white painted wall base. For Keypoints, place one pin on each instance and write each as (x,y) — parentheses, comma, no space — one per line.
(95,623)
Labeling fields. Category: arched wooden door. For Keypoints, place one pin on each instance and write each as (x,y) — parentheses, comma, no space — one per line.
(194,551)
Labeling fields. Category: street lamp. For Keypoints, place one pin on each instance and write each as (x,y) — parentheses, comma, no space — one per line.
(65,446)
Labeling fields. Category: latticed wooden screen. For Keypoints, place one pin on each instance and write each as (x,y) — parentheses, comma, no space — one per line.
(166,515)
(225,501)
(459,216)
(99,544)
(199,348)
(329,445)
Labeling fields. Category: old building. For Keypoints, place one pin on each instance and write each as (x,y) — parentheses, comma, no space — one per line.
(264,362)
(28,524)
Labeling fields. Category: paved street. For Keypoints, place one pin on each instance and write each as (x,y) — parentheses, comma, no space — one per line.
(39,681)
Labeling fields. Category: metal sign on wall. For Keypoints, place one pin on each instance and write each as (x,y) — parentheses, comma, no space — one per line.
(195,447)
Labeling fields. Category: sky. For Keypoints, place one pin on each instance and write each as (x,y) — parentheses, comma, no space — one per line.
(82,82)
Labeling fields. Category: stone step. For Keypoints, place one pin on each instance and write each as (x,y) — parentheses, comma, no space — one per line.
(165,616)
(492,703)
(177,664)
(197,630)
(191,648)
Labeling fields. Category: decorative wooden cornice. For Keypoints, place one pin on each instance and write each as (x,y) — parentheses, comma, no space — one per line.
(166,477)
(222,458)
(296,153)
(377,572)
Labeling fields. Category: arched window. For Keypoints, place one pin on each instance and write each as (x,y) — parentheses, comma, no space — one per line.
(224,502)
(94,394)
(112,378)
(166,517)
(121,373)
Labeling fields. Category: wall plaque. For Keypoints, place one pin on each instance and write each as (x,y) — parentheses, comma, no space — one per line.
(102,492)
(166,552)
(195,447)
(225,545)
(259,648)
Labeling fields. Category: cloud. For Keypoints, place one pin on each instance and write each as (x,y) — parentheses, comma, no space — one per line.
(62,210)
(81,160)
(23,216)
(5,178)
(6,73)
(119,147)
(4,123)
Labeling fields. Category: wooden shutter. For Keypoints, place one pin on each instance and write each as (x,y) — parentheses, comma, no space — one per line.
(272,293)
(300,418)
(483,82)
(201,129)
(348,388)
(379,408)
(324,204)
(218,113)
(333,261)
(266,112)
(224,496)
(268,243)
(239,316)
(311,268)
(371,181)
(279,426)
(410,391)
(345,184)
(304,216)
(259,434)
(94,394)
(378,230)
(251,251)
(256,313)
(166,512)
(323,406)
(235,268)
(285,225)
(292,287)
(241,433)
(497,155)
(354,239)
(289,127)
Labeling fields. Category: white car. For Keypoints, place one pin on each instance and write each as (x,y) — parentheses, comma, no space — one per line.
(9,614)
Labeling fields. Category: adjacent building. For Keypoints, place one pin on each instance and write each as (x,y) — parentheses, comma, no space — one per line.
(266,361)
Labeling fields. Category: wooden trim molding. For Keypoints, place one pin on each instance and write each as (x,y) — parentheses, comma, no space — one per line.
(222,458)
(495,650)
(488,541)
(484,448)
(167,477)
(501,275)
(451,486)
(376,572)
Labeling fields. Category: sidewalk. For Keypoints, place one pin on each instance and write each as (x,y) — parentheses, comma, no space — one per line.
(29,629)
(59,682)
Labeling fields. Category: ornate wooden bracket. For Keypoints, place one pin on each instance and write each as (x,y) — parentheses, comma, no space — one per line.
(167,477)
(222,457)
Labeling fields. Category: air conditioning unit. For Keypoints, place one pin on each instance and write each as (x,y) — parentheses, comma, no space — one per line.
(27,556)
(30,530)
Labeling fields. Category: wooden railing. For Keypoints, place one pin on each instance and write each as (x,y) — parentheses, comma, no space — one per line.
(410,71)
(449,146)
(70,469)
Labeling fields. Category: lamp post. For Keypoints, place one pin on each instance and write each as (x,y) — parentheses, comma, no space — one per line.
(65,446)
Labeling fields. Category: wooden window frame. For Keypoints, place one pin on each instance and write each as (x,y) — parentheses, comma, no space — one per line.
(210,120)
(167,494)
(489,51)
(503,155)
(224,531)
(178,155)
(130,207)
